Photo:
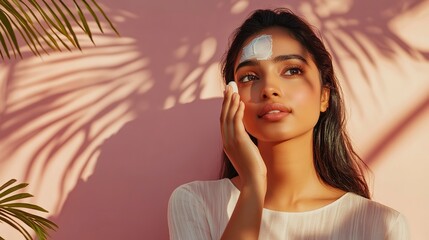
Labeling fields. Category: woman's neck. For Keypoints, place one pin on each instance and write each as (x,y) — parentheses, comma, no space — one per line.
(291,175)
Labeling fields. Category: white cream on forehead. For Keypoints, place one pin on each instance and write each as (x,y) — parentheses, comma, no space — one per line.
(260,48)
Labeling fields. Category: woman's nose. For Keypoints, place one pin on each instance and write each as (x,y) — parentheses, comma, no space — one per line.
(270,90)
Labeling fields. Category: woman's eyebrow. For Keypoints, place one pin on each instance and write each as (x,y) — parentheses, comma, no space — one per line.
(280,58)
(250,62)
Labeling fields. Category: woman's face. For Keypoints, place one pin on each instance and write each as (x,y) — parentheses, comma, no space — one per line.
(279,84)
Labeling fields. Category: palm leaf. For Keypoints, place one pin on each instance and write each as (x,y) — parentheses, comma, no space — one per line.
(7,28)
(7,184)
(12,213)
(25,23)
(52,43)
(86,28)
(105,16)
(46,25)
(16,225)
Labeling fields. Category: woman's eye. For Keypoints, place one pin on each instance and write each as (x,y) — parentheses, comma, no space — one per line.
(293,71)
(248,78)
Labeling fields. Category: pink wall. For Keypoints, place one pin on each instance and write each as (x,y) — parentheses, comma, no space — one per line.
(104,136)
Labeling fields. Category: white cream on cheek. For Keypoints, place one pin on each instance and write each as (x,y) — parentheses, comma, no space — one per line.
(260,48)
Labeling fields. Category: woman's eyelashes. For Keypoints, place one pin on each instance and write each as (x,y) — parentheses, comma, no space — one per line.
(248,77)
(291,71)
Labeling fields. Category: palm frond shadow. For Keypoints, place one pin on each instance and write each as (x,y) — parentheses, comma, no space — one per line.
(366,22)
(31,111)
(397,130)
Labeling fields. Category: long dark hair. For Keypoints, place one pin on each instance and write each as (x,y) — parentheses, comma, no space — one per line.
(336,163)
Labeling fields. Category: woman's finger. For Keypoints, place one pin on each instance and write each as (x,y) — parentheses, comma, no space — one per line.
(238,119)
(225,103)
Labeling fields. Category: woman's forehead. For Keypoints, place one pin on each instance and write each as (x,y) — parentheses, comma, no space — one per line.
(270,43)
(259,48)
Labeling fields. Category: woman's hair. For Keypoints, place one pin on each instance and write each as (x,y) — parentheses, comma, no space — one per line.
(336,163)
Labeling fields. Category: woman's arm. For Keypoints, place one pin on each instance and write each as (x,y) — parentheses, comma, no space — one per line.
(246,159)
(246,217)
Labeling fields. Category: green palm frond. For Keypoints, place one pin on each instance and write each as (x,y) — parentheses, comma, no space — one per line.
(46,25)
(14,214)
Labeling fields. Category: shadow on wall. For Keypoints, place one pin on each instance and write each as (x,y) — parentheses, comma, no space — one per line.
(126,197)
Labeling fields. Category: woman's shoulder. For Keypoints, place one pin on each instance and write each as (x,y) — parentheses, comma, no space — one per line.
(205,190)
(201,208)
(371,206)
(205,184)
(374,213)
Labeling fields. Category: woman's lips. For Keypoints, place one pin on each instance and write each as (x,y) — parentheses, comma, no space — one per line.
(274,112)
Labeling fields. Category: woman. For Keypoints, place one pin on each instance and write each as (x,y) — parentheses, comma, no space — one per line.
(290,172)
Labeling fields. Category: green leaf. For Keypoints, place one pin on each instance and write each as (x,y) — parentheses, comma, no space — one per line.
(3,43)
(66,21)
(37,219)
(9,211)
(23,205)
(105,16)
(23,218)
(1,54)
(13,189)
(16,197)
(84,22)
(93,15)
(33,221)
(6,26)
(62,28)
(45,16)
(18,5)
(50,24)
(70,13)
(30,43)
(15,225)
(10,182)
(9,40)
(27,26)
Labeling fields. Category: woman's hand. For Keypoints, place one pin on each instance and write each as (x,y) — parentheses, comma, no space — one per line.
(242,152)
(244,155)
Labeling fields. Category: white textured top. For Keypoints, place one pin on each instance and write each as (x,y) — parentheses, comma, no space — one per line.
(201,210)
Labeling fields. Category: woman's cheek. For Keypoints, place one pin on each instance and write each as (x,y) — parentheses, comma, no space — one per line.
(249,117)
(306,96)
(301,97)
(306,103)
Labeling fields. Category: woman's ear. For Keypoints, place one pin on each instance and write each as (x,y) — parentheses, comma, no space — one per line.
(324,99)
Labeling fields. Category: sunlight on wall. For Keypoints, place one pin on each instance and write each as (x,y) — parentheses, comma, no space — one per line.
(239,6)
(203,78)
(418,18)
(58,111)
(212,83)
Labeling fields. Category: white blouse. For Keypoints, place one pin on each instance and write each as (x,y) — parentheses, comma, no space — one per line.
(201,210)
